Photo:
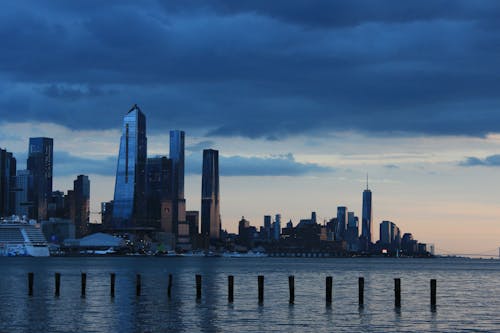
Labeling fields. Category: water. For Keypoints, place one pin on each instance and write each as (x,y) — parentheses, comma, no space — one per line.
(468,295)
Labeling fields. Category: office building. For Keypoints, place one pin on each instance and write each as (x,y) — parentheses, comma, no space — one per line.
(40,165)
(210,206)
(7,183)
(130,185)
(267,226)
(23,180)
(367,218)
(81,197)
(158,175)
(277,227)
(177,139)
(341,223)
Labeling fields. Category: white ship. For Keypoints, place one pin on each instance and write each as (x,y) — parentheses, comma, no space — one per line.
(19,237)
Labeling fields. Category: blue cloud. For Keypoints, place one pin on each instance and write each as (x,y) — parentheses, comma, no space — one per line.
(66,164)
(491,161)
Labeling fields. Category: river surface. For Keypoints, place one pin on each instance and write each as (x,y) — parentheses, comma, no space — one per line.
(468,295)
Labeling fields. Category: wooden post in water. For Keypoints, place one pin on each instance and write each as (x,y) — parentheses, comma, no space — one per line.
(329,284)
(198,286)
(361,291)
(112,286)
(84,283)
(260,280)
(138,285)
(31,278)
(433,292)
(291,286)
(230,289)
(397,292)
(169,289)
(57,284)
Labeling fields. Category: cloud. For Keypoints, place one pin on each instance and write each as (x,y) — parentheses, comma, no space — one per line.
(391,166)
(256,69)
(66,164)
(491,161)
(281,165)
(199,146)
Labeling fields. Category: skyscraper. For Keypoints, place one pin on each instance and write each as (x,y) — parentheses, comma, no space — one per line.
(210,210)
(23,180)
(7,183)
(341,223)
(158,175)
(366,219)
(177,182)
(40,164)
(130,186)
(81,196)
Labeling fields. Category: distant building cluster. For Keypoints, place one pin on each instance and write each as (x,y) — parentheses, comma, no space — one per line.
(148,210)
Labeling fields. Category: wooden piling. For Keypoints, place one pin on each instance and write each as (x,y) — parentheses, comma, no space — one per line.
(230,289)
(169,288)
(84,284)
(291,287)
(329,284)
(260,280)
(112,277)
(397,292)
(138,285)
(57,279)
(31,278)
(198,286)
(433,292)
(361,291)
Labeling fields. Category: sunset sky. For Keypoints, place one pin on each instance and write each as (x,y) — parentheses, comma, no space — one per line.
(302,99)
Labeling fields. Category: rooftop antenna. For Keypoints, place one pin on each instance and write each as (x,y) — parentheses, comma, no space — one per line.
(367,181)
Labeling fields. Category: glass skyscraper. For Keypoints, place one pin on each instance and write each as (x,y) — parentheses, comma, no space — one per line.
(129,207)
(7,183)
(177,185)
(81,197)
(366,220)
(40,165)
(210,210)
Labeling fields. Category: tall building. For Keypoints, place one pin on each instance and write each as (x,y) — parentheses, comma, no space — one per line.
(7,183)
(130,186)
(210,209)
(341,223)
(367,218)
(40,165)
(277,227)
(177,180)
(193,219)
(23,180)
(81,196)
(267,226)
(158,176)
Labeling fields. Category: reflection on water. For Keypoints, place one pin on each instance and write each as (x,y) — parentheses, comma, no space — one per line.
(462,305)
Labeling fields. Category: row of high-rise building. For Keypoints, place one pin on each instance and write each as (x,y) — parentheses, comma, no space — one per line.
(29,192)
(149,191)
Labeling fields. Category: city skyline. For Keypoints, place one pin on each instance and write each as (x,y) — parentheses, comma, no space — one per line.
(300,109)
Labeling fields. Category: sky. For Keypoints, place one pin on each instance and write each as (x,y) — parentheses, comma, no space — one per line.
(302,98)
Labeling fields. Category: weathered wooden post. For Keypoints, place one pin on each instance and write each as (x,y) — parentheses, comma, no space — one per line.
(291,287)
(329,284)
(84,283)
(138,285)
(58,284)
(112,286)
(230,289)
(169,289)
(260,280)
(397,292)
(361,291)
(433,292)
(31,278)
(198,287)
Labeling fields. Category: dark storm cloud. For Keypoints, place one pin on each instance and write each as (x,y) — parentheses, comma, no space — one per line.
(282,165)
(492,161)
(258,69)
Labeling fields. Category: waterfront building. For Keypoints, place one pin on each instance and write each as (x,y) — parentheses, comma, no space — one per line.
(22,184)
(277,227)
(40,165)
(177,139)
(56,205)
(107,214)
(210,205)
(193,219)
(352,232)
(81,197)
(341,223)
(7,183)
(56,230)
(158,191)
(367,217)
(130,185)
(267,226)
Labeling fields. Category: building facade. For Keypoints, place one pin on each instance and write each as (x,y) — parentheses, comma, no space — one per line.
(210,205)
(7,183)
(176,154)
(40,165)
(81,196)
